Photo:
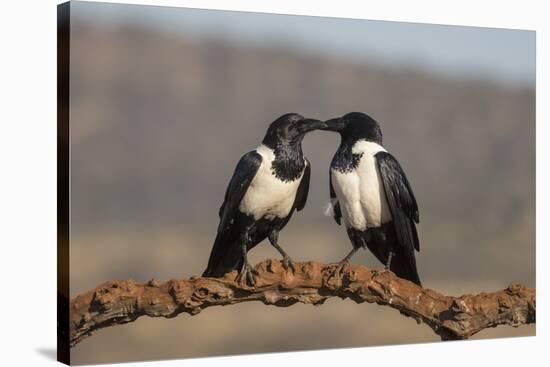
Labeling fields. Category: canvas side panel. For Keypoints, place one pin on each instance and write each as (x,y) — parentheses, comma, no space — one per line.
(63,59)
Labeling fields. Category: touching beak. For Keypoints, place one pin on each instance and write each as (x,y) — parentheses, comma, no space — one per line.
(307,125)
(336,124)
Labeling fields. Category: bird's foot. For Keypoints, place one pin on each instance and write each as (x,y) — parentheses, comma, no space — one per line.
(340,268)
(246,276)
(288,263)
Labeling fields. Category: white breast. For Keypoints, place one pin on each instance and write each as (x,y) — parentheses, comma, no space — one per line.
(361,192)
(267,196)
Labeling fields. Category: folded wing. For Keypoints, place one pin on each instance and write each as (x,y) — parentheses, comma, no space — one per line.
(404,210)
(225,254)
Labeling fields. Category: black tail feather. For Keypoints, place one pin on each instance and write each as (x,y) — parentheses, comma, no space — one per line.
(402,264)
(226,254)
(403,268)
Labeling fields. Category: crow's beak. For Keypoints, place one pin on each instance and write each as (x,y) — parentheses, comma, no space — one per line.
(336,124)
(307,125)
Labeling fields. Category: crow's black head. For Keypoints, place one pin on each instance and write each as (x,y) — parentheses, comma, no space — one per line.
(355,126)
(290,129)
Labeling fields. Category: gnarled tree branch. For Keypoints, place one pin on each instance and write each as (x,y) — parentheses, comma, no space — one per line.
(122,301)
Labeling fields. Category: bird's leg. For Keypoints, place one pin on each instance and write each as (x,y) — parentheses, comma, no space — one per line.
(357,242)
(381,238)
(246,271)
(388,263)
(287,261)
(345,261)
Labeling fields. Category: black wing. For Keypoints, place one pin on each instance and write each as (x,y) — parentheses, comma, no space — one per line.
(400,197)
(334,201)
(242,177)
(404,211)
(303,189)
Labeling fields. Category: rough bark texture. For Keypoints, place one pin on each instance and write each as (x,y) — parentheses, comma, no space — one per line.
(120,301)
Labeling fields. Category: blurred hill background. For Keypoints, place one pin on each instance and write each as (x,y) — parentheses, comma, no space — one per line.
(160,117)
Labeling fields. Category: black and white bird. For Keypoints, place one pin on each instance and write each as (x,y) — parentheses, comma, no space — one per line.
(268,184)
(371,193)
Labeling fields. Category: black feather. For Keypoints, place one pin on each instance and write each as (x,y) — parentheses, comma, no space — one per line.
(404,210)
(225,254)
(242,177)
(303,189)
(334,201)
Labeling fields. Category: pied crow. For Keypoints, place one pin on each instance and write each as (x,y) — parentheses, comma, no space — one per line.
(371,193)
(268,184)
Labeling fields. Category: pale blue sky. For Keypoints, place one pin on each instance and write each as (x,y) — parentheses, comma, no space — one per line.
(501,55)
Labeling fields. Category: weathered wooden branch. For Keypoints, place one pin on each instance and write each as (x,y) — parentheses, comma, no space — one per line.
(122,301)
